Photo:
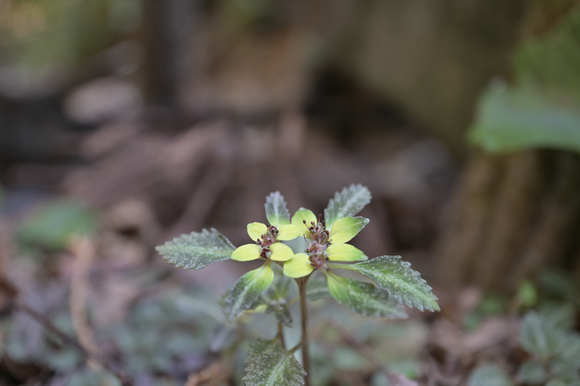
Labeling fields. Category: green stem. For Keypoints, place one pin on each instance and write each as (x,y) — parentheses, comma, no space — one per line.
(281,335)
(304,341)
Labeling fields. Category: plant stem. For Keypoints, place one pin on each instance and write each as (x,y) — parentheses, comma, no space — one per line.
(304,341)
(281,335)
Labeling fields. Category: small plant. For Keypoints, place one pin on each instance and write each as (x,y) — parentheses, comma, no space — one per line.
(296,248)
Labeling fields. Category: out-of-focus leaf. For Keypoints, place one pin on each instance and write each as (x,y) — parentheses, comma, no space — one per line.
(489,375)
(316,287)
(221,337)
(398,279)
(273,366)
(53,224)
(282,314)
(347,203)
(364,298)
(532,373)
(540,338)
(197,250)
(523,117)
(246,290)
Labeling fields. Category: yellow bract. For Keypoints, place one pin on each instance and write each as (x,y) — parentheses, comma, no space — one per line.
(256,230)
(247,252)
(304,214)
(343,230)
(345,252)
(299,266)
(281,252)
(288,232)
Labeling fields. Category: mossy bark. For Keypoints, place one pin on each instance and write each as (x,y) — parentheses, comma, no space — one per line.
(513,216)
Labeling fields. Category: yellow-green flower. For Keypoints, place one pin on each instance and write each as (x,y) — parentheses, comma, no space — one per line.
(268,245)
(323,244)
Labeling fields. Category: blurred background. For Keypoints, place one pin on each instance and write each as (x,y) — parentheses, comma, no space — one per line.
(125,123)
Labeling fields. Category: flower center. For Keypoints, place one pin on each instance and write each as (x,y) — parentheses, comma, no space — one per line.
(266,240)
(318,243)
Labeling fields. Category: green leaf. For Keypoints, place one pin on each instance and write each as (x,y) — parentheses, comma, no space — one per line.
(489,375)
(247,290)
(262,346)
(532,373)
(276,210)
(316,287)
(197,250)
(347,203)
(53,224)
(274,367)
(363,298)
(523,117)
(539,338)
(396,277)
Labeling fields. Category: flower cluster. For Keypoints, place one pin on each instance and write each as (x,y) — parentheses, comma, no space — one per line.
(322,244)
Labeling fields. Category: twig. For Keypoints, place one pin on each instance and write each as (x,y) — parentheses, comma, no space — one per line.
(72,342)
(83,250)
(280,335)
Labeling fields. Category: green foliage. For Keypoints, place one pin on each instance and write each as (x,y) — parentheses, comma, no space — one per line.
(347,203)
(540,108)
(247,290)
(268,364)
(523,117)
(532,373)
(398,279)
(318,246)
(53,224)
(197,250)
(489,375)
(363,298)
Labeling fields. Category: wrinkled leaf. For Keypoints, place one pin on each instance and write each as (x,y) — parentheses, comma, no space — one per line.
(396,277)
(316,288)
(197,250)
(247,290)
(274,367)
(262,346)
(276,210)
(489,375)
(363,298)
(347,203)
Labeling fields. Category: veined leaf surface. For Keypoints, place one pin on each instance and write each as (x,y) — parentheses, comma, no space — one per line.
(347,203)
(396,277)
(247,290)
(276,210)
(197,250)
(271,365)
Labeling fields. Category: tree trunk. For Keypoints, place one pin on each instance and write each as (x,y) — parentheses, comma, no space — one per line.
(514,215)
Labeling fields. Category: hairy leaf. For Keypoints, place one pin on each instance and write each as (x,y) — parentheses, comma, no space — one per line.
(262,346)
(363,298)
(247,290)
(274,366)
(276,210)
(197,250)
(347,203)
(396,276)
(489,375)
(316,288)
